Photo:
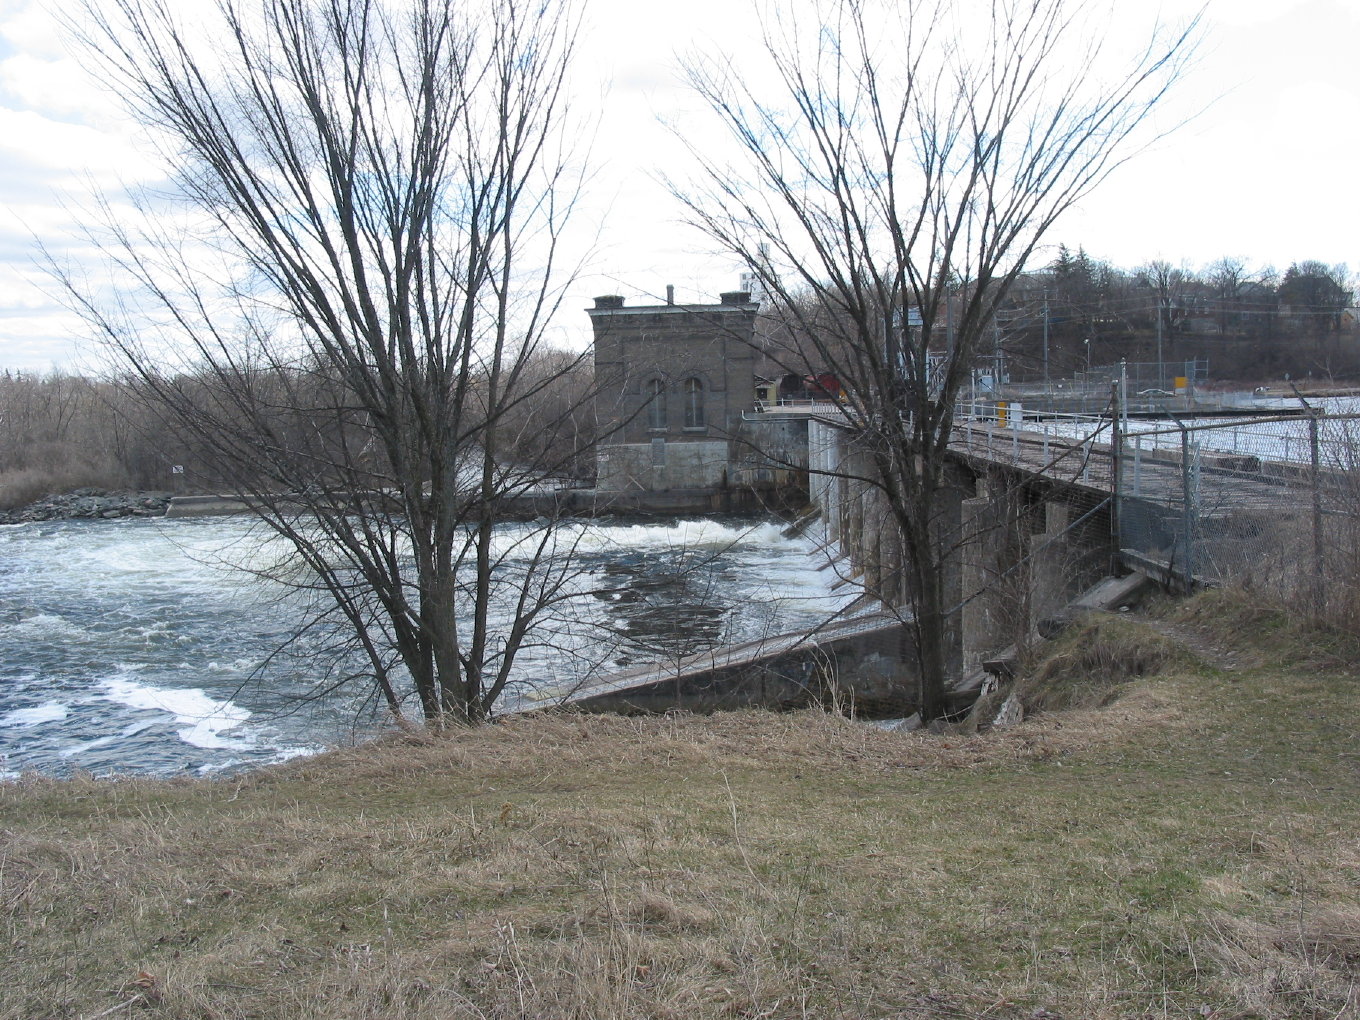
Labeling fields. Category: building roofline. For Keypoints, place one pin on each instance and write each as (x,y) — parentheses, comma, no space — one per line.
(749,306)
(735,300)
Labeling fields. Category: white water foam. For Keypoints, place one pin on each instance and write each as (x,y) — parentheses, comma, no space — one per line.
(287,754)
(698,533)
(203,719)
(51,711)
(45,627)
(88,745)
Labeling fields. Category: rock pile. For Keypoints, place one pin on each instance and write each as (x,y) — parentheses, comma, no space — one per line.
(90,504)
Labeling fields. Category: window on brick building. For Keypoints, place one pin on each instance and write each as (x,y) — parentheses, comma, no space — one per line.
(694,403)
(656,404)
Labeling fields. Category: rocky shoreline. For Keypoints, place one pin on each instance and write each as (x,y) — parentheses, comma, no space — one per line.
(90,504)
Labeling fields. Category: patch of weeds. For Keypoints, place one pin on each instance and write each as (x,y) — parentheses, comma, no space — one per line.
(1269,626)
(1090,665)
(1295,964)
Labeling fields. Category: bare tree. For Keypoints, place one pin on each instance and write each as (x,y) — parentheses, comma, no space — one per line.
(1170,286)
(1227,277)
(1317,294)
(350,325)
(905,169)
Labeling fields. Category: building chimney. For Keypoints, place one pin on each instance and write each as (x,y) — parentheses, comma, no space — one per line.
(609,301)
(670,293)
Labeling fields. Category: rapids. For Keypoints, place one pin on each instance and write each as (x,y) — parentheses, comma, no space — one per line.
(137,646)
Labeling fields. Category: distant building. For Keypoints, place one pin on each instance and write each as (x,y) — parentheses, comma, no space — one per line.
(753,285)
(674,381)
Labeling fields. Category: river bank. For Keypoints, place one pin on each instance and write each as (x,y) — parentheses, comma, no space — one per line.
(1186,849)
(90,504)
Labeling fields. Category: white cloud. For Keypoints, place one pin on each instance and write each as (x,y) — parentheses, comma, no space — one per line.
(69,151)
(59,88)
(27,26)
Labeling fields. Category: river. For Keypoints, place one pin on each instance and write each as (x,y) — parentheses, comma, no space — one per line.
(136,646)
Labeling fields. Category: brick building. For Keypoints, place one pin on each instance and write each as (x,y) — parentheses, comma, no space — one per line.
(674,381)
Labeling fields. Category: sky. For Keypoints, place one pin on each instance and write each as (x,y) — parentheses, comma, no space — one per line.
(1264,164)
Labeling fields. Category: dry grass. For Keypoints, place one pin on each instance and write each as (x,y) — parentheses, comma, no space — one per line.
(1094,661)
(1189,849)
(21,486)
(1268,628)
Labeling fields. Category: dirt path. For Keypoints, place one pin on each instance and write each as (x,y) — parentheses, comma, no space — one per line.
(1207,646)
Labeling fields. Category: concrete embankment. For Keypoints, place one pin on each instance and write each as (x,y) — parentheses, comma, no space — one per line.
(203,506)
(864,661)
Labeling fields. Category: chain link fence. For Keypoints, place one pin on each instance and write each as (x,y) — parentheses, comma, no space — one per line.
(1270,502)
(1266,503)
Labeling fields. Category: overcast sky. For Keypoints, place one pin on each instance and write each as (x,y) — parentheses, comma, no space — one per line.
(1268,171)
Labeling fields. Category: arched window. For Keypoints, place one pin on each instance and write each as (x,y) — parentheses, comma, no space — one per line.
(694,403)
(656,404)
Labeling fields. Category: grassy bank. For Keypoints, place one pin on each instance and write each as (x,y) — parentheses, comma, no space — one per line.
(1188,849)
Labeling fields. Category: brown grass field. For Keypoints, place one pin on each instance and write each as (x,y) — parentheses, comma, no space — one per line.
(1178,844)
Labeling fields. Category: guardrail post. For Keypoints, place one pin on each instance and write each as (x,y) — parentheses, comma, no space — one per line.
(1116,471)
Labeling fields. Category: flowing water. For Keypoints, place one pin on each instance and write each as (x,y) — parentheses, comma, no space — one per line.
(134,646)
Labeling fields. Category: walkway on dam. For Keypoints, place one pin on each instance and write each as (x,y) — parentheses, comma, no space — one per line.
(1193,504)
(1158,475)
(1074,450)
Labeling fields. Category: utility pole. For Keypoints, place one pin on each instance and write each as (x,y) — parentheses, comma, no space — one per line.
(1046,386)
(1161,378)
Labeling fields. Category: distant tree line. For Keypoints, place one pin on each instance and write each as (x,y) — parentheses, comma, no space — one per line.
(60,431)
(1248,321)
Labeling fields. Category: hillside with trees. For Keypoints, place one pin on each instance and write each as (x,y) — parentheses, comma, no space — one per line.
(1251,323)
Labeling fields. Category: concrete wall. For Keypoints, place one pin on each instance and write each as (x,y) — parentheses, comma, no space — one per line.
(770,451)
(661,464)
(1022,547)
(871,672)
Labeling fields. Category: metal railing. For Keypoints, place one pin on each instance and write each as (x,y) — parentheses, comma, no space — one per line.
(1271,500)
